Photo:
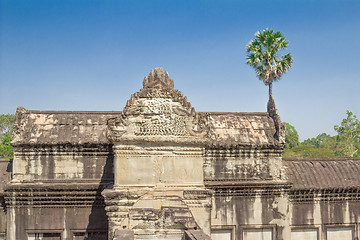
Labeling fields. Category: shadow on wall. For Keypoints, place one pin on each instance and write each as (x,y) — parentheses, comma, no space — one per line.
(97,228)
(5,177)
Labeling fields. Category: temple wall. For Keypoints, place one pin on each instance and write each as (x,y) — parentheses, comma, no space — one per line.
(242,164)
(56,192)
(250,194)
(5,177)
(326,217)
(70,211)
(137,165)
(249,201)
(62,163)
(238,216)
(59,223)
(2,220)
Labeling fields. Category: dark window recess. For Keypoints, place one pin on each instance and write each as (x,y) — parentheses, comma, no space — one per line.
(90,236)
(47,236)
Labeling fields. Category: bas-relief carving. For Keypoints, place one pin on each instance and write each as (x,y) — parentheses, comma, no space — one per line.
(157,117)
(158,110)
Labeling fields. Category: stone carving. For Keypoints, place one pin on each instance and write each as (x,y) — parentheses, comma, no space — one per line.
(19,124)
(158,110)
(158,78)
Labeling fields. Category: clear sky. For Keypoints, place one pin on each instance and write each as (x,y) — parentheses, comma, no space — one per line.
(92,55)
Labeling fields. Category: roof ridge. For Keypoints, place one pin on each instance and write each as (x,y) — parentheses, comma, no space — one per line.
(114,112)
(321,159)
(72,112)
(238,113)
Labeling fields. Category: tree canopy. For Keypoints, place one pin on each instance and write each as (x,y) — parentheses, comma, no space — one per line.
(349,134)
(292,136)
(6,126)
(263,55)
(346,143)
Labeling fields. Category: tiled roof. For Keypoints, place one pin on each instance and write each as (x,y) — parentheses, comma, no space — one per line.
(243,129)
(60,127)
(81,128)
(323,173)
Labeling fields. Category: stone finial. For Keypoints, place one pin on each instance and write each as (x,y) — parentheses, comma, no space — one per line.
(158,78)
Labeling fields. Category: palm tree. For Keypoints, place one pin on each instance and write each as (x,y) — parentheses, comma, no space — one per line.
(263,55)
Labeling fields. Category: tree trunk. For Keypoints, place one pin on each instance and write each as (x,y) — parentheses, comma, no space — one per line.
(271,103)
(271,108)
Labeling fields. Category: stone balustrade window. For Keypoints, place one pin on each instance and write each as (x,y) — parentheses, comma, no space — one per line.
(305,233)
(258,233)
(335,233)
(221,234)
(44,236)
(90,236)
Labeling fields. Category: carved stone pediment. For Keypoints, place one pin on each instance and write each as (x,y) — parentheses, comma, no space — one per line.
(158,112)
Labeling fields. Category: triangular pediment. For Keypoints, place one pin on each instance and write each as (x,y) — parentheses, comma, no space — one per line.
(157,111)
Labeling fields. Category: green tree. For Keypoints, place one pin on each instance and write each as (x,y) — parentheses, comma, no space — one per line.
(263,55)
(308,151)
(6,126)
(322,140)
(292,136)
(349,135)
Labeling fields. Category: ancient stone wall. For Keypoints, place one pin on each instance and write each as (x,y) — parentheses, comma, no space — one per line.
(243,163)
(237,212)
(46,163)
(60,222)
(325,210)
(5,177)
(160,170)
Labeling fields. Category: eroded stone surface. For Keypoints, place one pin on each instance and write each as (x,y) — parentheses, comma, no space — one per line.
(160,170)
(158,142)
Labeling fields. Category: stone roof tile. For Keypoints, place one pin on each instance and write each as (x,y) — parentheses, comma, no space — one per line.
(242,129)
(81,128)
(323,173)
(60,127)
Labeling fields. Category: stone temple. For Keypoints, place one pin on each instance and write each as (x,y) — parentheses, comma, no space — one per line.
(160,170)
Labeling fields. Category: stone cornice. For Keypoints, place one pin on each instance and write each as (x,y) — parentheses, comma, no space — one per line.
(250,188)
(325,195)
(241,148)
(54,195)
(97,150)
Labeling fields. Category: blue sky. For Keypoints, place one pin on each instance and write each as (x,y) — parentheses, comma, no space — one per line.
(92,55)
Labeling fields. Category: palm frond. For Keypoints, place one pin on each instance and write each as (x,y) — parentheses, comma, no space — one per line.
(263,55)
